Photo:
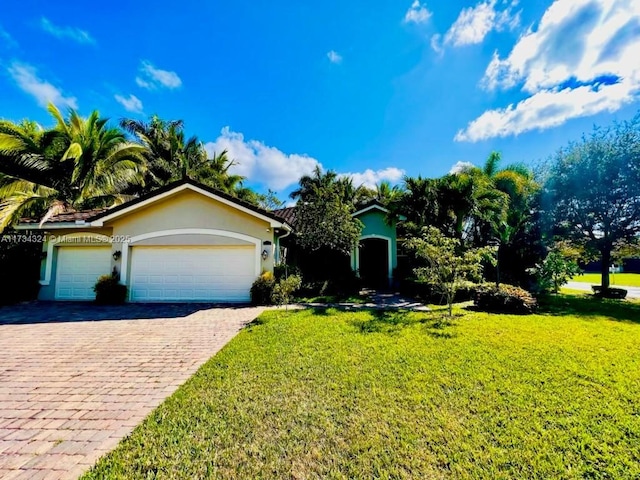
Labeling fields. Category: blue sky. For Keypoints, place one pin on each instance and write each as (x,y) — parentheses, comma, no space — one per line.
(375,89)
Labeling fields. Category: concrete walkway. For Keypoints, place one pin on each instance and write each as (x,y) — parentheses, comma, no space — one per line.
(76,378)
(632,292)
(377,300)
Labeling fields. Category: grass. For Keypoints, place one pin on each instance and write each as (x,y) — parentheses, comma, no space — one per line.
(621,279)
(329,394)
(329,299)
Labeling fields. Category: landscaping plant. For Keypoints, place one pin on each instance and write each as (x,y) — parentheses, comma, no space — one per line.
(283,290)
(448,266)
(109,290)
(554,271)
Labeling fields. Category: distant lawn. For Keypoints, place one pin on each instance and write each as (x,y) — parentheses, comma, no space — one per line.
(328,394)
(626,279)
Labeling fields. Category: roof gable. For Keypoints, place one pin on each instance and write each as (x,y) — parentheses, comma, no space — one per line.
(97,218)
(368,207)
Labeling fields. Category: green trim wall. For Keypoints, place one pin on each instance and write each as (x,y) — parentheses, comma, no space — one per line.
(375,226)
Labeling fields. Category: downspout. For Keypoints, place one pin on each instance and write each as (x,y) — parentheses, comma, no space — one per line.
(280,238)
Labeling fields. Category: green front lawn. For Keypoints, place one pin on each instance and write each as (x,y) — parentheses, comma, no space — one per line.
(622,279)
(328,394)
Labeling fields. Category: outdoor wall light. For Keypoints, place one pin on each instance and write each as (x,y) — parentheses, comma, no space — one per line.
(117,254)
(267,249)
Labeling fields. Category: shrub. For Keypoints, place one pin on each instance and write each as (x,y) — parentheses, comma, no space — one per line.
(428,292)
(285,288)
(109,291)
(504,299)
(616,293)
(262,289)
(554,271)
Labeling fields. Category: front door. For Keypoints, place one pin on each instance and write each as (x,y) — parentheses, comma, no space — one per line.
(374,262)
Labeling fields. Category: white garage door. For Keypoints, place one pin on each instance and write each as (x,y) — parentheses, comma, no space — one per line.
(78,268)
(178,274)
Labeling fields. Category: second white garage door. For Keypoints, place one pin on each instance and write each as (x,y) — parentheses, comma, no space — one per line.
(205,274)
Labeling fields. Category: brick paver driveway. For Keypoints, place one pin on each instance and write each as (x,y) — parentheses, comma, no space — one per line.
(76,378)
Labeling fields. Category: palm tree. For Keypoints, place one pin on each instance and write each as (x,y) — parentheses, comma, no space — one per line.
(470,201)
(418,201)
(79,163)
(170,157)
(312,185)
(385,193)
(518,184)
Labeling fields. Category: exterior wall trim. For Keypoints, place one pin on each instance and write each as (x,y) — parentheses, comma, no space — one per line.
(369,208)
(356,252)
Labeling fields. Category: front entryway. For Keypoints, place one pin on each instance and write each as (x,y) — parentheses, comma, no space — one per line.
(373,256)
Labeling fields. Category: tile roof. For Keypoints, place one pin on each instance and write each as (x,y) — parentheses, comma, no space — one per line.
(68,217)
(287,214)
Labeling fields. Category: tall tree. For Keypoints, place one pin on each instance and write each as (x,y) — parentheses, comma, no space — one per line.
(80,163)
(418,202)
(508,231)
(593,189)
(386,193)
(310,185)
(468,201)
(171,156)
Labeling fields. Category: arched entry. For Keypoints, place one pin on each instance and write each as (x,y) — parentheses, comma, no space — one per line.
(374,261)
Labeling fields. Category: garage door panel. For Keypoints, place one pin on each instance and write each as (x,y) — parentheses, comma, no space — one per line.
(216,273)
(78,269)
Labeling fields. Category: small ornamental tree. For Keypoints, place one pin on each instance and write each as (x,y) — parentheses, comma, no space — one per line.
(554,271)
(448,267)
(284,290)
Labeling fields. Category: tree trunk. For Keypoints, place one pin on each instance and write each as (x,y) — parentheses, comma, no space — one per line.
(606,261)
(498,268)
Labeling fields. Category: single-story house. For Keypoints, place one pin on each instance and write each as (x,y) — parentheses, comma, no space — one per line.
(185,242)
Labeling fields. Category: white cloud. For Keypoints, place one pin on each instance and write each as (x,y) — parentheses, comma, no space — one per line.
(370,178)
(261,163)
(152,78)
(417,13)
(436,43)
(549,108)
(7,38)
(130,103)
(334,57)
(581,60)
(474,23)
(26,77)
(72,33)
(460,167)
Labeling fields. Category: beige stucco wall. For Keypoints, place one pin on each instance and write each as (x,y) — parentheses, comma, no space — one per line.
(188,209)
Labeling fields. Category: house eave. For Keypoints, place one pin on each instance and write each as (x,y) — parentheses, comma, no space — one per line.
(369,208)
(51,226)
